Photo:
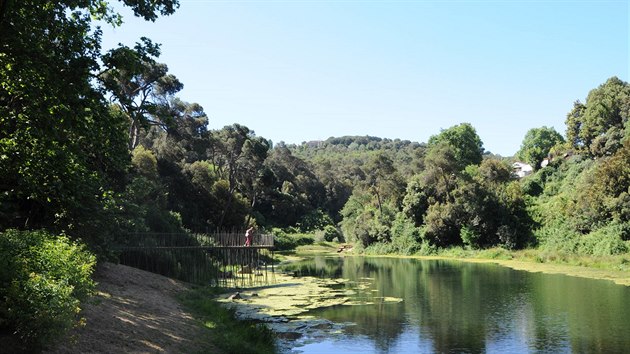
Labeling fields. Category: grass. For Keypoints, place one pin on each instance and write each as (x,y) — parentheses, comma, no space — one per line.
(617,262)
(614,263)
(223,330)
(319,247)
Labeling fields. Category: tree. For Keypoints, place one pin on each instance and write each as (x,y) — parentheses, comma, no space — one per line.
(63,154)
(415,202)
(441,170)
(537,144)
(382,179)
(141,86)
(238,156)
(59,142)
(291,183)
(603,196)
(434,185)
(364,222)
(466,144)
(597,127)
(185,139)
(492,207)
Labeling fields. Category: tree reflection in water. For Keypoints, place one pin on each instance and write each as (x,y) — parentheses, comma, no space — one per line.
(459,307)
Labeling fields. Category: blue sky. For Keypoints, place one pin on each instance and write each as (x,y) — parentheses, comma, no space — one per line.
(297,71)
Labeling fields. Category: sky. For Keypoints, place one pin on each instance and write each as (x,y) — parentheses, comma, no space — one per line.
(297,71)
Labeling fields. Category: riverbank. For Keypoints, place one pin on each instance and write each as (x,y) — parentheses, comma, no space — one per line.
(134,311)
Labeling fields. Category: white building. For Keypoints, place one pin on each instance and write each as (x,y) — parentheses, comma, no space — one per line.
(522,169)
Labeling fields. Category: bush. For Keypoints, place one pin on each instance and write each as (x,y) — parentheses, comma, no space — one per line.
(405,235)
(427,249)
(603,242)
(469,236)
(286,242)
(496,253)
(380,248)
(319,237)
(532,186)
(331,233)
(43,278)
(558,238)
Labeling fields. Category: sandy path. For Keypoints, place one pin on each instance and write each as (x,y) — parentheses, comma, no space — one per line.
(135,312)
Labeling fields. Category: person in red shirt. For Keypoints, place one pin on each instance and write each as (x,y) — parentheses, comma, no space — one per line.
(249,234)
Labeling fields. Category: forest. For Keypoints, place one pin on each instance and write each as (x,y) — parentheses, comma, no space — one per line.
(97,145)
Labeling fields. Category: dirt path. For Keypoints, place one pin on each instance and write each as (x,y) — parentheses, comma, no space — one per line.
(134,312)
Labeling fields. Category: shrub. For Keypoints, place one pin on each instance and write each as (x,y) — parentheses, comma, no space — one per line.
(496,253)
(315,220)
(558,238)
(469,236)
(331,233)
(379,248)
(532,185)
(319,236)
(286,242)
(43,278)
(603,242)
(405,235)
(427,249)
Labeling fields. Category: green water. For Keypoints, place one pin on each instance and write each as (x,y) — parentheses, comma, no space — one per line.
(459,307)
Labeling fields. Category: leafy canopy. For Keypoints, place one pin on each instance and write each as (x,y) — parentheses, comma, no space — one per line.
(537,144)
(466,144)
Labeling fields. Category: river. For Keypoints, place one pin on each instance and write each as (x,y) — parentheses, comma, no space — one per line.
(460,307)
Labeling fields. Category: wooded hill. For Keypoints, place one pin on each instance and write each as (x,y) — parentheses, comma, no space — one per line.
(98,144)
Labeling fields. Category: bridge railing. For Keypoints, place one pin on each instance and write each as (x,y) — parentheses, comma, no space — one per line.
(221,258)
(231,239)
(181,240)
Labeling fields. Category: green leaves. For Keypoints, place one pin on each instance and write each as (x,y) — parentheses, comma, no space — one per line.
(150,9)
(537,144)
(466,145)
(141,87)
(597,127)
(43,278)
(61,145)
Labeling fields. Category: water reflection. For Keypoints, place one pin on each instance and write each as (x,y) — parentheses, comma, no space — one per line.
(458,307)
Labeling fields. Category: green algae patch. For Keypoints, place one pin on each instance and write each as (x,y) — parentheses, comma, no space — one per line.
(284,307)
(293,296)
(288,257)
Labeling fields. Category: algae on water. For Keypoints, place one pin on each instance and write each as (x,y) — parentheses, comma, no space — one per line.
(284,306)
